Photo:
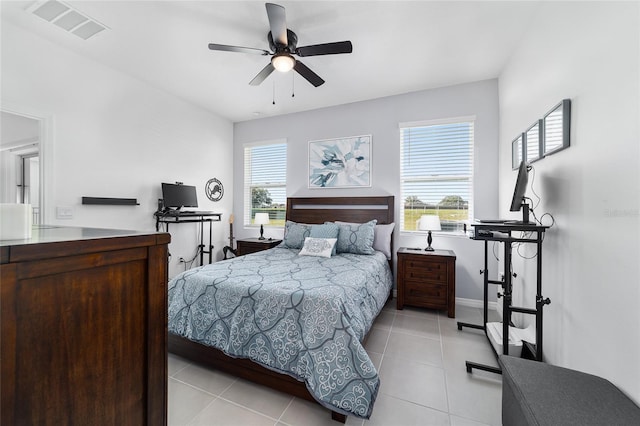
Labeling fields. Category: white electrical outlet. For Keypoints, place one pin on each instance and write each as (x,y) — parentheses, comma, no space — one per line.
(64,212)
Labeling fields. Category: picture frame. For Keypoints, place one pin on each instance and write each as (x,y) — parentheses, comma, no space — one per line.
(557,125)
(533,142)
(517,151)
(340,162)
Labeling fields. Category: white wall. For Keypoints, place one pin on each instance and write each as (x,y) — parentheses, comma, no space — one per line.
(380,118)
(588,52)
(115,136)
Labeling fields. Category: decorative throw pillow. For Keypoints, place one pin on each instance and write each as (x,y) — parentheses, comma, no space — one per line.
(321,247)
(356,238)
(328,230)
(294,234)
(382,238)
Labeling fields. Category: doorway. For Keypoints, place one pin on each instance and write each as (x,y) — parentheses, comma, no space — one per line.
(20,162)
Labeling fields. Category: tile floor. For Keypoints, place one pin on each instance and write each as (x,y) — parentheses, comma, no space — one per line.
(420,357)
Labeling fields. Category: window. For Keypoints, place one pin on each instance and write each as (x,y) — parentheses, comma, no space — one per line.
(436,172)
(265,181)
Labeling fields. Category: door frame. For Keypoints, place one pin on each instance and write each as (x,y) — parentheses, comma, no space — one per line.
(46,127)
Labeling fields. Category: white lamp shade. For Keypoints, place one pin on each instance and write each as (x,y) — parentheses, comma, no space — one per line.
(261,219)
(283,62)
(429,222)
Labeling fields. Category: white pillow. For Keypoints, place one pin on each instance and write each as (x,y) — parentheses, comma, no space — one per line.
(321,247)
(382,238)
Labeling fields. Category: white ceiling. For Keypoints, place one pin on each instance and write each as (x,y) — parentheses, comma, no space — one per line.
(398,47)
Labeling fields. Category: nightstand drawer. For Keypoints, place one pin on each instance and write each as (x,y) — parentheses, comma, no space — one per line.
(425,271)
(426,294)
(427,279)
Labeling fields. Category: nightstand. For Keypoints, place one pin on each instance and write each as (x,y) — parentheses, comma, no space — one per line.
(252,245)
(427,279)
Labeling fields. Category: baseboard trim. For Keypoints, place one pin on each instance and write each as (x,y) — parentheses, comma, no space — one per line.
(473,303)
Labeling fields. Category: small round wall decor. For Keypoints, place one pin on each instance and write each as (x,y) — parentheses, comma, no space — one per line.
(214,189)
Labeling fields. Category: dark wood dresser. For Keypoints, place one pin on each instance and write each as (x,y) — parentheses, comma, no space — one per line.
(84,327)
(427,279)
(252,245)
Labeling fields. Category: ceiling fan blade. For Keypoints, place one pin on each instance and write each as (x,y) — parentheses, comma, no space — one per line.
(309,75)
(277,23)
(325,49)
(266,71)
(227,48)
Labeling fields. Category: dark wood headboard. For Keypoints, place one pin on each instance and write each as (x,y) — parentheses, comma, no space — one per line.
(345,209)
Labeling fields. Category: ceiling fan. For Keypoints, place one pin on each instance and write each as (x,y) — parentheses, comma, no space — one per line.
(283,44)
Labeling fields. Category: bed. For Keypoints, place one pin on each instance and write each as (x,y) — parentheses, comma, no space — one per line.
(294,323)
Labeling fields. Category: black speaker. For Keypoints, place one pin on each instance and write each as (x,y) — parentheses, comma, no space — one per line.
(160,204)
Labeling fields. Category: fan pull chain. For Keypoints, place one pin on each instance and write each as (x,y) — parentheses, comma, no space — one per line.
(274,93)
(293,85)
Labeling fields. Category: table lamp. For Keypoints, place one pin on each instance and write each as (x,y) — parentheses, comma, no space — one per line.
(261,219)
(429,222)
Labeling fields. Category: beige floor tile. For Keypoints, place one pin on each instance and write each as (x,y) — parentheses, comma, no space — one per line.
(392,411)
(260,398)
(306,413)
(224,413)
(185,402)
(423,326)
(209,380)
(385,319)
(414,382)
(419,312)
(414,348)
(377,340)
(476,396)
(460,421)
(176,363)
(457,352)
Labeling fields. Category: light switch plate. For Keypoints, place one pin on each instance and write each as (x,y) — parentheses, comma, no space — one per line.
(64,212)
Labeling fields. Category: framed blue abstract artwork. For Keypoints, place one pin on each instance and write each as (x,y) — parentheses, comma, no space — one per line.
(340,163)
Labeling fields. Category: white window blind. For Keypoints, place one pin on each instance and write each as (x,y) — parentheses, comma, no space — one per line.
(436,173)
(553,131)
(265,181)
(532,138)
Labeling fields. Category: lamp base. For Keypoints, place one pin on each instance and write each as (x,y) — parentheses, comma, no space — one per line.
(429,239)
(261,237)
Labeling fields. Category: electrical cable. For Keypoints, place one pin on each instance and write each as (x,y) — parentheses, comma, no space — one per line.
(533,178)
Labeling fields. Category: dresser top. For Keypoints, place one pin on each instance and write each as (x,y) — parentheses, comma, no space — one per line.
(53,234)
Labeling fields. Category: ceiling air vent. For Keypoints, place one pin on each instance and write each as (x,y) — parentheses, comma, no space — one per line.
(67,18)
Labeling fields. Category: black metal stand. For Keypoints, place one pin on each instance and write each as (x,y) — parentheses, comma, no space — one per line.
(190,217)
(503,233)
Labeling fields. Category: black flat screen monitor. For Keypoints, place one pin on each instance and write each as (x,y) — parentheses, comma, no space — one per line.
(518,201)
(176,196)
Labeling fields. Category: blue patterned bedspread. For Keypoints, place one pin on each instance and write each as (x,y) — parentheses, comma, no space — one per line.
(300,315)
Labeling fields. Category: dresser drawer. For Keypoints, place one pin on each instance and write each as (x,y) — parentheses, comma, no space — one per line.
(419,269)
(425,294)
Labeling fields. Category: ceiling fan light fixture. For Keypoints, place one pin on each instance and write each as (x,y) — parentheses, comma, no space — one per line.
(283,62)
